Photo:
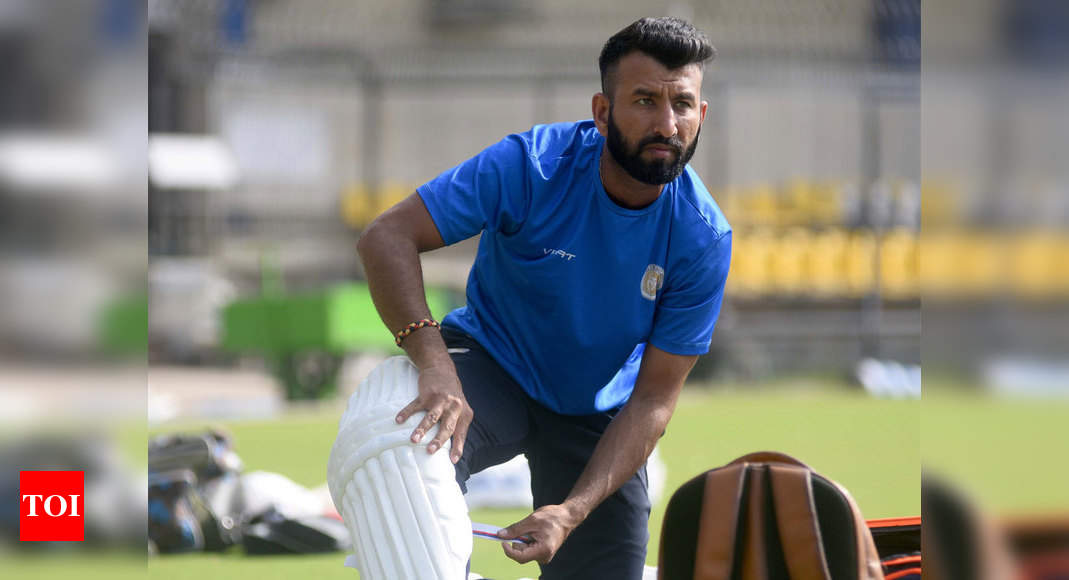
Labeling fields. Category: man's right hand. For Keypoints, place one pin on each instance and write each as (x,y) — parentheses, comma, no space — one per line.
(389,249)
(442,397)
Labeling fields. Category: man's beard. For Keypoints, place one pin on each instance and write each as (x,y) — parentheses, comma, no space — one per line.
(658,171)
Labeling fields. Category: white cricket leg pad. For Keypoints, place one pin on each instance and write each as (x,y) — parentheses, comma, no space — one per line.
(402,506)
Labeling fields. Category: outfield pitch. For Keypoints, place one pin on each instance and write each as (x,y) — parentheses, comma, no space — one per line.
(870,446)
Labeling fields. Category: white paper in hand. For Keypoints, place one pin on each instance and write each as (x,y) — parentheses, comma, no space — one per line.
(488,532)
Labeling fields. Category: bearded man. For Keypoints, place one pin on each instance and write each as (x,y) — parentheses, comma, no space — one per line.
(597,283)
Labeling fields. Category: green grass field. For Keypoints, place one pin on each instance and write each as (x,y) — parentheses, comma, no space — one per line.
(1008,455)
(872,447)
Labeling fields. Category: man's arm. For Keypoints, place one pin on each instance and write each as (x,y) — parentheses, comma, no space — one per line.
(389,249)
(622,449)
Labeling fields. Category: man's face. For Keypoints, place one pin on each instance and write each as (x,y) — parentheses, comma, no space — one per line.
(671,155)
(654,118)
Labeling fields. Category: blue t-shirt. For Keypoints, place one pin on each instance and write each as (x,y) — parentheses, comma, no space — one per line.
(567,286)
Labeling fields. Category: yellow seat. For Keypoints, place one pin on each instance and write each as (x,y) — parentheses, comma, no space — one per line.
(898,264)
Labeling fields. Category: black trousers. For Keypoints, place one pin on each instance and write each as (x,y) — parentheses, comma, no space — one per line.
(611,542)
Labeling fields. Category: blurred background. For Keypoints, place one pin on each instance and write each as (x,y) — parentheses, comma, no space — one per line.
(73,291)
(279,130)
(994,286)
(204,220)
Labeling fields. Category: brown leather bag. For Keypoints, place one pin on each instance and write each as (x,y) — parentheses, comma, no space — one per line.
(765,516)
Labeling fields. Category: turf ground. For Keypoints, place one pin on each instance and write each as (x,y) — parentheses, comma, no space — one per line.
(870,446)
(1008,455)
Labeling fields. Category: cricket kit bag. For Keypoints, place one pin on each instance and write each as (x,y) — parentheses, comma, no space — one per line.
(898,541)
(194,492)
(765,516)
(273,533)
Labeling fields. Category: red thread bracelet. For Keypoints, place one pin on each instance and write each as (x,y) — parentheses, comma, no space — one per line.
(414,327)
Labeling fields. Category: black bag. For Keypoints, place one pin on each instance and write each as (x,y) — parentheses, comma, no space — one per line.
(208,455)
(175,512)
(273,533)
(898,541)
(765,516)
(195,499)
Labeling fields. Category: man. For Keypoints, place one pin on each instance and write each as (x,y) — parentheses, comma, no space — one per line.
(597,282)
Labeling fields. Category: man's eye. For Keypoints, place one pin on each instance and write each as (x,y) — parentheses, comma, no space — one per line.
(644,101)
(683,104)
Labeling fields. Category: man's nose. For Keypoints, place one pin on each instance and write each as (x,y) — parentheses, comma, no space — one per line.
(666,122)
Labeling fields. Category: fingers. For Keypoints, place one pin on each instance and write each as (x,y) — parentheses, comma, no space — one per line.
(523,553)
(425,425)
(453,416)
(514,532)
(517,553)
(460,435)
(445,430)
(404,414)
(452,413)
(523,527)
(507,533)
(540,533)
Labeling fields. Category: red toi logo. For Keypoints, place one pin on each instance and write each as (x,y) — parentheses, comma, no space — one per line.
(51,506)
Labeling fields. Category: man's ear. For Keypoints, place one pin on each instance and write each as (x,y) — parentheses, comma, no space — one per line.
(599,108)
(705,106)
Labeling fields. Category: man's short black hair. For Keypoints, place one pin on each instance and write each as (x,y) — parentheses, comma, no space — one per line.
(673,42)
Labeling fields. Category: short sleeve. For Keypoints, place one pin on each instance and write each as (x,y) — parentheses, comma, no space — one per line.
(487,192)
(687,312)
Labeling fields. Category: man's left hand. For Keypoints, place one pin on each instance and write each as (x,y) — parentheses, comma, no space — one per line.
(545,530)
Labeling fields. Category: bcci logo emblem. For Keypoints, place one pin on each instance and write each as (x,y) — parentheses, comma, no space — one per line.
(652,281)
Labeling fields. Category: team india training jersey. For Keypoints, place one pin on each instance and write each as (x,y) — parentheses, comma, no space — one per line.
(568,287)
